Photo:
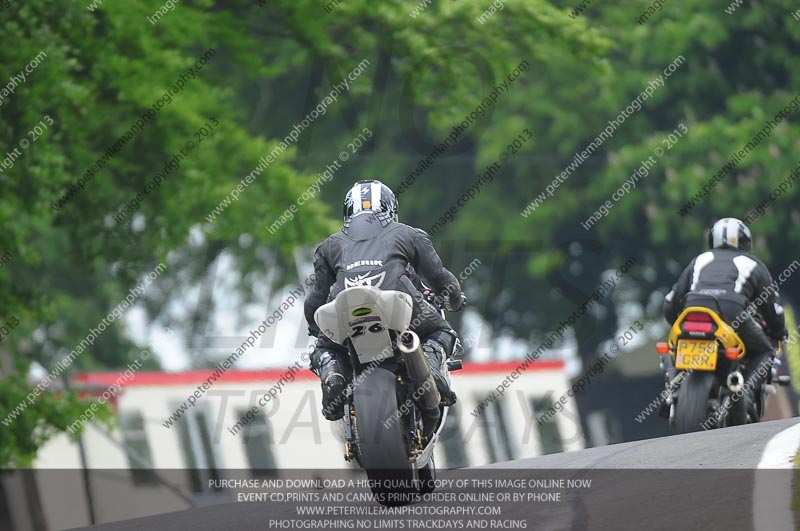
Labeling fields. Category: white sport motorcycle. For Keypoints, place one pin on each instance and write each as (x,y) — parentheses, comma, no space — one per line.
(392,414)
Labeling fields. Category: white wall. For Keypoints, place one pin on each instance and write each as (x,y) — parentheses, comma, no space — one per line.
(302,438)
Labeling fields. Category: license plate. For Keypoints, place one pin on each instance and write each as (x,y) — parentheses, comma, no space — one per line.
(696,354)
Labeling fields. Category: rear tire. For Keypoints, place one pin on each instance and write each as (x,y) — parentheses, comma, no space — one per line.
(691,405)
(427,477)
(381,439)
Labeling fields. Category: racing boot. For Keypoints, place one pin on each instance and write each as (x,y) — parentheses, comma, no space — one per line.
(334,383)
(436,356)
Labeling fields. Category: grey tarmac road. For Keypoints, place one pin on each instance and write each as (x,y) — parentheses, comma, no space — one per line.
(696,481)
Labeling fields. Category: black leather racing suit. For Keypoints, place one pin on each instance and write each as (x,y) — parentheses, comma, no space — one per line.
(738,281)
(371,250)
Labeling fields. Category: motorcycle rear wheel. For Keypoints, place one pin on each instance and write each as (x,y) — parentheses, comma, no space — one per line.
(692,402)
(427,477)
(381,439)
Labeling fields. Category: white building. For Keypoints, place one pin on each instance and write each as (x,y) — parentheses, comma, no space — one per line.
(288,433)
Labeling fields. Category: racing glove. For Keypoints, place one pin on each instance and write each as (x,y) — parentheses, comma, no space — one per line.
(454,304)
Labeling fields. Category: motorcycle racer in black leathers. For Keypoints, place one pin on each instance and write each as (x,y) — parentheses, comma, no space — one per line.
(731,280)
(374,249)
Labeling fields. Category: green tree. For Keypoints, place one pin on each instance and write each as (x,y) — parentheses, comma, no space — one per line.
(76,256)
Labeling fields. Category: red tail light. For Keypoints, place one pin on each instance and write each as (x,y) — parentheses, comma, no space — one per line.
(698,322)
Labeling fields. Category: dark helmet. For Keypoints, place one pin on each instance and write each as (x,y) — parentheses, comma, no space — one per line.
(370,196)
(729,233)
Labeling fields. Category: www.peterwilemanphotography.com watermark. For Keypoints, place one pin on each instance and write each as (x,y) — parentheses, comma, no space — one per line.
(324,177)
(145,118)
(116,313)
(35,134)
(173,164)
(265,161)
(113,390)
(19,78)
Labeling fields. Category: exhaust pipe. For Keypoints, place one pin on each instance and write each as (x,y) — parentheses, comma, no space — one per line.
(735,382)
(409,342)
(418,370)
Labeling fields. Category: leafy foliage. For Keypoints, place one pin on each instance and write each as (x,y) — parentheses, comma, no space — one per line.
(272,65)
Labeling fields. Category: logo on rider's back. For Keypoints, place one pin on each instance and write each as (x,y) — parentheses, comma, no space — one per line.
(360,312)
(374,281)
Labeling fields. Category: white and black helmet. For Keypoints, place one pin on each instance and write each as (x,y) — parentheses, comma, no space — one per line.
(370,196)
(729,233)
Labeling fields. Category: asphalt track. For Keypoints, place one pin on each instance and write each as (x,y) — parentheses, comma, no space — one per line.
(696,481)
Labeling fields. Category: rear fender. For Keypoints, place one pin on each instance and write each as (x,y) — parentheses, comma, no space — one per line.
(365,315)
(724,333)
